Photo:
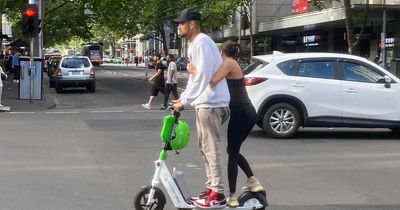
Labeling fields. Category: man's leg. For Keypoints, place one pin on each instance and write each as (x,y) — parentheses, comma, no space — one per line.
(175,91)
(210,121)
(166,95)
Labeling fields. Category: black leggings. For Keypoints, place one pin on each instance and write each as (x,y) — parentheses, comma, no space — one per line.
(241,122)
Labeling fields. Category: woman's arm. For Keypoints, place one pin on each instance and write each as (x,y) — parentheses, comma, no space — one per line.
(223,70)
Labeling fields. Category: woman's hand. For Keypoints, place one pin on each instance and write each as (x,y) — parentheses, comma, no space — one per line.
(191,69)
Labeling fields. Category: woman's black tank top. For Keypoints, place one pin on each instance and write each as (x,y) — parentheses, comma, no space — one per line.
(237,90)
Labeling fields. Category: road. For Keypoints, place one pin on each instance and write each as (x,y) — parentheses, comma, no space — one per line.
(95,151)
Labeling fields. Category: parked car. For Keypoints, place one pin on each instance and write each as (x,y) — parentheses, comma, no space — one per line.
(75,71)
(321,90)
(107,59)
(117,60)
(52,68)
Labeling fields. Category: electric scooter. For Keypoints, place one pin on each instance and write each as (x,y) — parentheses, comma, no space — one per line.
(151,197)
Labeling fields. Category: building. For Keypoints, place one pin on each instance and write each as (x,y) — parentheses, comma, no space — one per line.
(298,26)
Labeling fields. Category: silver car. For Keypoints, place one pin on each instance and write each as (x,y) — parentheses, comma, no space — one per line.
(75,71)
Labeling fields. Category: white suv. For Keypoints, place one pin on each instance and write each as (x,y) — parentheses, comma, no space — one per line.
(75,71)
(321,90)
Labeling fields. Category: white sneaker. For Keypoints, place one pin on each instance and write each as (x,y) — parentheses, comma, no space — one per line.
(146,106)
(1,105)
(17,81)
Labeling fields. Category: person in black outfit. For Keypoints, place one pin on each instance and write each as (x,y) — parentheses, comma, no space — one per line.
(242,120)
(158,81)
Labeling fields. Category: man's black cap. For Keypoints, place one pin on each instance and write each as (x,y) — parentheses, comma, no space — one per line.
(188,14)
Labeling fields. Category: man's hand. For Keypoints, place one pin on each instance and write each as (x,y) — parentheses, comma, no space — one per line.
(177,105)
(191,69)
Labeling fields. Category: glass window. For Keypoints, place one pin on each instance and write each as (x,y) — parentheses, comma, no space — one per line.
(360,73)
(75,63)
(317,69)
(287,66)
(253,67)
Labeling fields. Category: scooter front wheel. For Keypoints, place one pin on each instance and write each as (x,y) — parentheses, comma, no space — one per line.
(142,197)
(253,199)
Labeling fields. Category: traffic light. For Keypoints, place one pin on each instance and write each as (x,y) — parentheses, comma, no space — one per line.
(30,20)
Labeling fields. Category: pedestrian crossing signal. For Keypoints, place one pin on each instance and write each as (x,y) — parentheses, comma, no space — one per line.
(30,20)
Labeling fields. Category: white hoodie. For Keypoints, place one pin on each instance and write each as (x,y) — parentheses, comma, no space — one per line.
(205,57)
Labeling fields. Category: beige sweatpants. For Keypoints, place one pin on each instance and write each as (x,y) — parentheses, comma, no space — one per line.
(209,123)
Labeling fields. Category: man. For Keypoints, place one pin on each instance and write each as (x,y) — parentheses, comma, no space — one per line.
(16,66)
(211,105)
(158,81)
(172,82)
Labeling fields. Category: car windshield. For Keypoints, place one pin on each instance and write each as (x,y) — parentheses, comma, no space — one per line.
(253,67)
(75,63)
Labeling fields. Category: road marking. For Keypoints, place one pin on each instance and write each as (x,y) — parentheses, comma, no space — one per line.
(110,111)
(74,112)
(22,112)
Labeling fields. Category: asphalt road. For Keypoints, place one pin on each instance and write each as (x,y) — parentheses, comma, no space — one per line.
(95,151)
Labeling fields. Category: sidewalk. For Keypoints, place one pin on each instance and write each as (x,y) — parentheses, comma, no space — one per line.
(10,97)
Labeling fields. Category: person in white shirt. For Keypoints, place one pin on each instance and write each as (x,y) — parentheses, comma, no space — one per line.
(172,83)
(211,105)
(1,84)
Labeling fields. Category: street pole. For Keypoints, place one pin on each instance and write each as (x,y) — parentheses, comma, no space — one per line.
(383,36)
(32,51)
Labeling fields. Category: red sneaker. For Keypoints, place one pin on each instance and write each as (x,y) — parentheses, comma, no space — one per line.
(202,195)
(213,201)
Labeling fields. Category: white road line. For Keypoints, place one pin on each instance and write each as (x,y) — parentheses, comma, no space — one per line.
(22,112)
(110,111)
(62,112)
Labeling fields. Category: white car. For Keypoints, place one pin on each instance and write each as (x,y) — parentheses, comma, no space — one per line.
(321,90)
(75,71)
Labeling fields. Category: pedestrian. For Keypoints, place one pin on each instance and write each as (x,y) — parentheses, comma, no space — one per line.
(158,81)
(171,85)
(211,105)
(2,73)
(376,59)
(8,64)
(127,60)
(2,61)
(16,66)
(136,60)
(242,119)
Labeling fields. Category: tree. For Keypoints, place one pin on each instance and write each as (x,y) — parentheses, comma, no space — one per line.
(353,39)
(245,9)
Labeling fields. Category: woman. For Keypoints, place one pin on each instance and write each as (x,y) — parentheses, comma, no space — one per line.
(243,118)
(1,83)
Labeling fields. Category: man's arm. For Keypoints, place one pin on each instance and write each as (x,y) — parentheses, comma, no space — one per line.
(202,77)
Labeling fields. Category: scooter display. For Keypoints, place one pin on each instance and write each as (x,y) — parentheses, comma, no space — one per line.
(175,137)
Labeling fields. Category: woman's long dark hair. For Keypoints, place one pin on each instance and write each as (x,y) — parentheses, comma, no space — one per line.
(231,49)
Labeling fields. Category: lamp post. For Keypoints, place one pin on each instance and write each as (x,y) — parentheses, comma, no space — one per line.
(383,35)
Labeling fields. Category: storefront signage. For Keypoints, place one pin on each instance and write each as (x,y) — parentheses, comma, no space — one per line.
(299,6)
(389,42)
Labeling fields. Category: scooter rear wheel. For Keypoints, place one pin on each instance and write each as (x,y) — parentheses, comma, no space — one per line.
(253,199)
(142,197)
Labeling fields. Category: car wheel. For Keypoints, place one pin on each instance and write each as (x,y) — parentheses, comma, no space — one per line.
(259,123)
(52,83)
(58,89)
(281,121)
(395,130)
(91,88)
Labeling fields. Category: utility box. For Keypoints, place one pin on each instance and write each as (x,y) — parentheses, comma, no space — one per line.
(30,84)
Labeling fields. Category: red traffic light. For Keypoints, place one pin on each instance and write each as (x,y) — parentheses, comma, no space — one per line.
(30,12)
(30,20)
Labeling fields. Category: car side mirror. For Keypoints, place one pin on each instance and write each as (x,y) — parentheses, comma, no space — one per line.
(387,81)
